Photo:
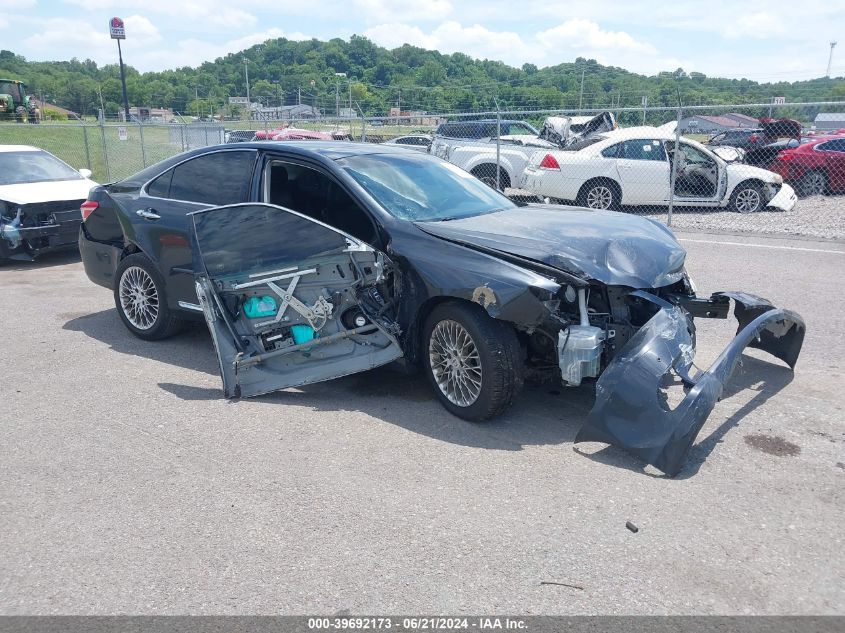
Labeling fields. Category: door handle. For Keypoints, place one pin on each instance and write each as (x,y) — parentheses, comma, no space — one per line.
(148,214)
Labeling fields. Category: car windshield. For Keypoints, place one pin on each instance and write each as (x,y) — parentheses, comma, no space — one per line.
(22,167)
(423,188)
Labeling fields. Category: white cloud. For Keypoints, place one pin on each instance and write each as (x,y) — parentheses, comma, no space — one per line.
(585,35)
(762,25)
(401,10)
(14,5)
(193,13)
(4,22)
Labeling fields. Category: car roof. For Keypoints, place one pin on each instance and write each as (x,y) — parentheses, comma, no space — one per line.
(19,148)
(330,150)
(641,131)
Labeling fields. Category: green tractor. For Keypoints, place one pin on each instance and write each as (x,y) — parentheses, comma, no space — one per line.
(15,103)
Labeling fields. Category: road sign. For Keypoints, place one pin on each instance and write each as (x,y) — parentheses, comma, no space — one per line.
(778,100)
(117,30)
(121,134)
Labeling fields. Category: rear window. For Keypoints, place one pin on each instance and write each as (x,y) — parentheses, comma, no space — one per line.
(219,178)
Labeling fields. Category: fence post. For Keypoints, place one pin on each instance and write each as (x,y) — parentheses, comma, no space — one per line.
(105,150)
(498,147)
(675,162)
(182,135)
(87,151)
(143,149)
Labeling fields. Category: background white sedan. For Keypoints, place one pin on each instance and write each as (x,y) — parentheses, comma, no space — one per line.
(633,166)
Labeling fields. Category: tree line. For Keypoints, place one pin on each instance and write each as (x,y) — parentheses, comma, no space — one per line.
(286,72)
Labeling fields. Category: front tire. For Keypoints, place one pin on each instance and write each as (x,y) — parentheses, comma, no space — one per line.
(472,361)
(747,198)
(141,302)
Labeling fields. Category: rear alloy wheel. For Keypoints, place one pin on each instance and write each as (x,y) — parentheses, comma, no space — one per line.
(747,198)
(473,361)
(599,195)
(140,300)
(813,183)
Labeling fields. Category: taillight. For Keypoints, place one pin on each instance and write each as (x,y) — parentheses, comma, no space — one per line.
(753,138)
(785,157)
(549,162)
(88,207)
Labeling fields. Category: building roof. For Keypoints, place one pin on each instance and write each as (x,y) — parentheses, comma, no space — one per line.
(724,121)
(743,118)
(830,116)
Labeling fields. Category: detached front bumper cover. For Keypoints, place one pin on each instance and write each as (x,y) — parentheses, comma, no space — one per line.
(629,413)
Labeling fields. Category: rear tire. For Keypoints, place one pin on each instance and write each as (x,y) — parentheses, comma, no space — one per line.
(487,175)
(472,361)
(141,301)
(601,195)
(813,183)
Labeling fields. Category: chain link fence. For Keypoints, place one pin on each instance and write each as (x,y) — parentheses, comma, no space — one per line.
(758,168)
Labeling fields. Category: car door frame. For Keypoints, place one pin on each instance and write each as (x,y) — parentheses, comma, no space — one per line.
(178,276)
(277,154)
(721,179)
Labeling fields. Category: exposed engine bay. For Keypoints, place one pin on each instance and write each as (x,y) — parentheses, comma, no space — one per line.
(29,230)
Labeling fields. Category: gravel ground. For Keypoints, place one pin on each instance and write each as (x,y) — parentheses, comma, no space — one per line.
(819,217)
(129,485)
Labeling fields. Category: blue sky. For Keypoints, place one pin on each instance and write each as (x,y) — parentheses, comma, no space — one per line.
(763,40)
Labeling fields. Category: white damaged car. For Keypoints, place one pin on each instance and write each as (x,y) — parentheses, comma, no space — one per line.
(40,199)
(634,166)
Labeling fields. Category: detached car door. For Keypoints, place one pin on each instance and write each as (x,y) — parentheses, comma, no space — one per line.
(289,300)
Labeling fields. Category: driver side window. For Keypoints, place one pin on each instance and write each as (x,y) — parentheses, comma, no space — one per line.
(312,193)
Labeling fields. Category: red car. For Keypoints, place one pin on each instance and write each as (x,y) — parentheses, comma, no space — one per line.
(292,134)
(814,167)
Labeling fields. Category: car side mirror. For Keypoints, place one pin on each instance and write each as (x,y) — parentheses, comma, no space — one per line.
(86,173)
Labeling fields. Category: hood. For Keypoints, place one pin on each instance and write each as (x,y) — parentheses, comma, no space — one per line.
(781,128)
(613,248)
(743,171)
(35,192)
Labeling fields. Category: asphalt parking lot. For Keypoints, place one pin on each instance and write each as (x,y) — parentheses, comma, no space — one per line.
(128,485)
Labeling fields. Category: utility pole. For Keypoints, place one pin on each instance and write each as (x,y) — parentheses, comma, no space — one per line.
(246,79)
(299,95)
(581,98)
(830,59)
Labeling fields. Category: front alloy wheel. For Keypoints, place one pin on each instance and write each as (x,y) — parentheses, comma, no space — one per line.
(748,199)
(455,363)
(474,361)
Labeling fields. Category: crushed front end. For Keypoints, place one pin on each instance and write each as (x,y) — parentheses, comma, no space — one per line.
(636,343)
(29,230)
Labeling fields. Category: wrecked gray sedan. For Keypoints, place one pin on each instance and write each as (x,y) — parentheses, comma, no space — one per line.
(347,257)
